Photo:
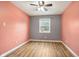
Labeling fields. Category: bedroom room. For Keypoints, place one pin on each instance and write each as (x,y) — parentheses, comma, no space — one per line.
(39,28)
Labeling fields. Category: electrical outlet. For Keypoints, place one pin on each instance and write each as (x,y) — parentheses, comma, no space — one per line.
(4,24)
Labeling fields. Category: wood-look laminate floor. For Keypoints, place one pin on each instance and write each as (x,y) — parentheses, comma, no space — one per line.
(41,49)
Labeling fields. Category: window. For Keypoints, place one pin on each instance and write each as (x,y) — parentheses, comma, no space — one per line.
(44,25)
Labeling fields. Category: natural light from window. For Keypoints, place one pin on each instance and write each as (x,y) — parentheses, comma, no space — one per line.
(44,25)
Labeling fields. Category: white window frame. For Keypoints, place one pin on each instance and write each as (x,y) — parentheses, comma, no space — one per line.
(44,20)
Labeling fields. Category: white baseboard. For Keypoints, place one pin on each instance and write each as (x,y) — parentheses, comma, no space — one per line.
(70,49)
(6,53)
(45,40)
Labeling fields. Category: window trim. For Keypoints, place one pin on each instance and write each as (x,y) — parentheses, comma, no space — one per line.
(44,19)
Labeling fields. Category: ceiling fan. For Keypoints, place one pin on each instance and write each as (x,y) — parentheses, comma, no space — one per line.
(41,6)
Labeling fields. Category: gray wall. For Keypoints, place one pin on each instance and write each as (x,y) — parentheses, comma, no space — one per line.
(55,28)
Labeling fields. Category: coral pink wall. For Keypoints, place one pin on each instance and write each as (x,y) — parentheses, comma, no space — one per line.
(14,26)
(70,26)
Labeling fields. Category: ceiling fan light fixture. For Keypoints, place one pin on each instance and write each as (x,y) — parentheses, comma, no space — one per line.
(41,6)
(41,9)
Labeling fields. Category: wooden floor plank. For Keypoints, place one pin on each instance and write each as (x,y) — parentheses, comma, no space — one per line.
(41,49)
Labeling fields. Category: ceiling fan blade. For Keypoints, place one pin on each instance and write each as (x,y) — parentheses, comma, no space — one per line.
(33,4)
(43,2)
(47,5)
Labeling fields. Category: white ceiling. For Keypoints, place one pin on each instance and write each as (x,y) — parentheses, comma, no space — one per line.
(57,8)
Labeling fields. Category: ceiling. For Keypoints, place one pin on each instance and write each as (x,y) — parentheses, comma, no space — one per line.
(57,8)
